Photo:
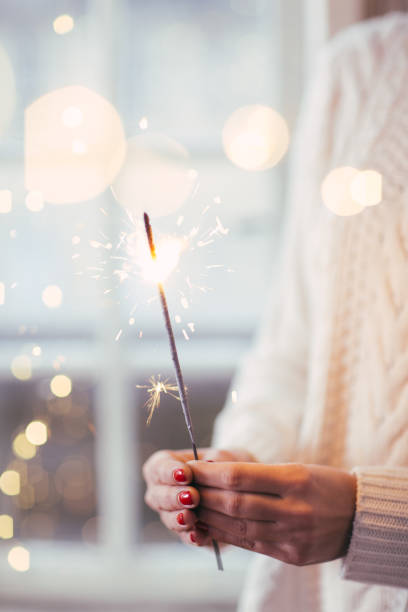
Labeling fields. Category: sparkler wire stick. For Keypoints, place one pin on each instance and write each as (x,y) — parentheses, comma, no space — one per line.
(176,362)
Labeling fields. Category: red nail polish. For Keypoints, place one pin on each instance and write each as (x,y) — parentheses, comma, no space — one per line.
(210,460)
(180,519)
(193,538)
(202,526)
(185,498)
(179,475)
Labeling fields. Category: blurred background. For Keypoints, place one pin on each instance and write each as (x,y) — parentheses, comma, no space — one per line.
(186,109)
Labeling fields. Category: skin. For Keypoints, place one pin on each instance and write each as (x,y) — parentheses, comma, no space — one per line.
(300,514)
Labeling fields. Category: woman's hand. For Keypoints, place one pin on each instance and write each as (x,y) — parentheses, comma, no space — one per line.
(169,492)
(300,514)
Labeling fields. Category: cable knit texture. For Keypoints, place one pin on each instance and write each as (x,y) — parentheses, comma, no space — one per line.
(327,379)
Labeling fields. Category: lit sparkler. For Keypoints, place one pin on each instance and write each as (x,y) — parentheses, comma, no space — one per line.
(154,389)
(119,260)
(174,355)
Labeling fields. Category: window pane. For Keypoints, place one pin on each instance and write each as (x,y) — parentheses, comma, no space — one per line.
(49,442)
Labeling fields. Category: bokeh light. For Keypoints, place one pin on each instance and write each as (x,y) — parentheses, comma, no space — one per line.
(36,351)
(61,385)
(37,433)
(8,90)
(19,559)
(63,24)
(156,176)
(74,145)
(52,296)
(21,367)
(6,526)
(23,448)
(255,137)
(34,201)
(336,191)
(366,188)
(72,116)
(6,201)
(10,482)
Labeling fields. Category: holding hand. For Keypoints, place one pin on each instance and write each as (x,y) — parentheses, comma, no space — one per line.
(169,492)
(300,514)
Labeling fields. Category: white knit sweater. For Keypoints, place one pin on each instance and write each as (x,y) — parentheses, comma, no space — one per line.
(327,380)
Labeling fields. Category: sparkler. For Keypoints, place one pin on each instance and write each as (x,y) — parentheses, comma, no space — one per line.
(154,389)
(176,363)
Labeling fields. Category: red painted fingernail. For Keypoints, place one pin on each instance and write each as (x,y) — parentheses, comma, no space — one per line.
(179,475)
(180,519)
(185,498)
(201,525)
(193,538)
(210,460)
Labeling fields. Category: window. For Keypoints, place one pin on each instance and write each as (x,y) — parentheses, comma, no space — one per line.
(72,313)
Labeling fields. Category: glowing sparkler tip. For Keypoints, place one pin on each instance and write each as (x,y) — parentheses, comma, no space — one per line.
(149,234)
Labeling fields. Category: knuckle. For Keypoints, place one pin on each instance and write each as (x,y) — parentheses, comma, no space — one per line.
(242,528)
(147,499)
(301,477)
(152,461)
(302,516)
(293,556)
(248,544)
(231,478)
(298,553)
(233,505)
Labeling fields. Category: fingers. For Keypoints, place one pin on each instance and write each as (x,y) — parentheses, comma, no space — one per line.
(270,549)
(170,498)
(178,521)
(252,530)
(240,476)
(249,506)
(165,467)
(216,454)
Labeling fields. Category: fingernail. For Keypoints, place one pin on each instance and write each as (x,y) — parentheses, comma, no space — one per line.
(185,498)
(210,460)
(192,537)
(180,519)
(179,475)
(201,525)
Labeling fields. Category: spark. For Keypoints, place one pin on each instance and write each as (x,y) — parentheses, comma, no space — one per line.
(191,326)
(118,335)
(122,257)
(185,334)
(154,389)
(234,396)
(202,243)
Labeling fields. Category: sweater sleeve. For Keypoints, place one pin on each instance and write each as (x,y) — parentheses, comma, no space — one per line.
(271,382)
(378,551)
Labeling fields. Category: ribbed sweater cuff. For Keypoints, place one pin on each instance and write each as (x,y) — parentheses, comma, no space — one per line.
(378,551)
